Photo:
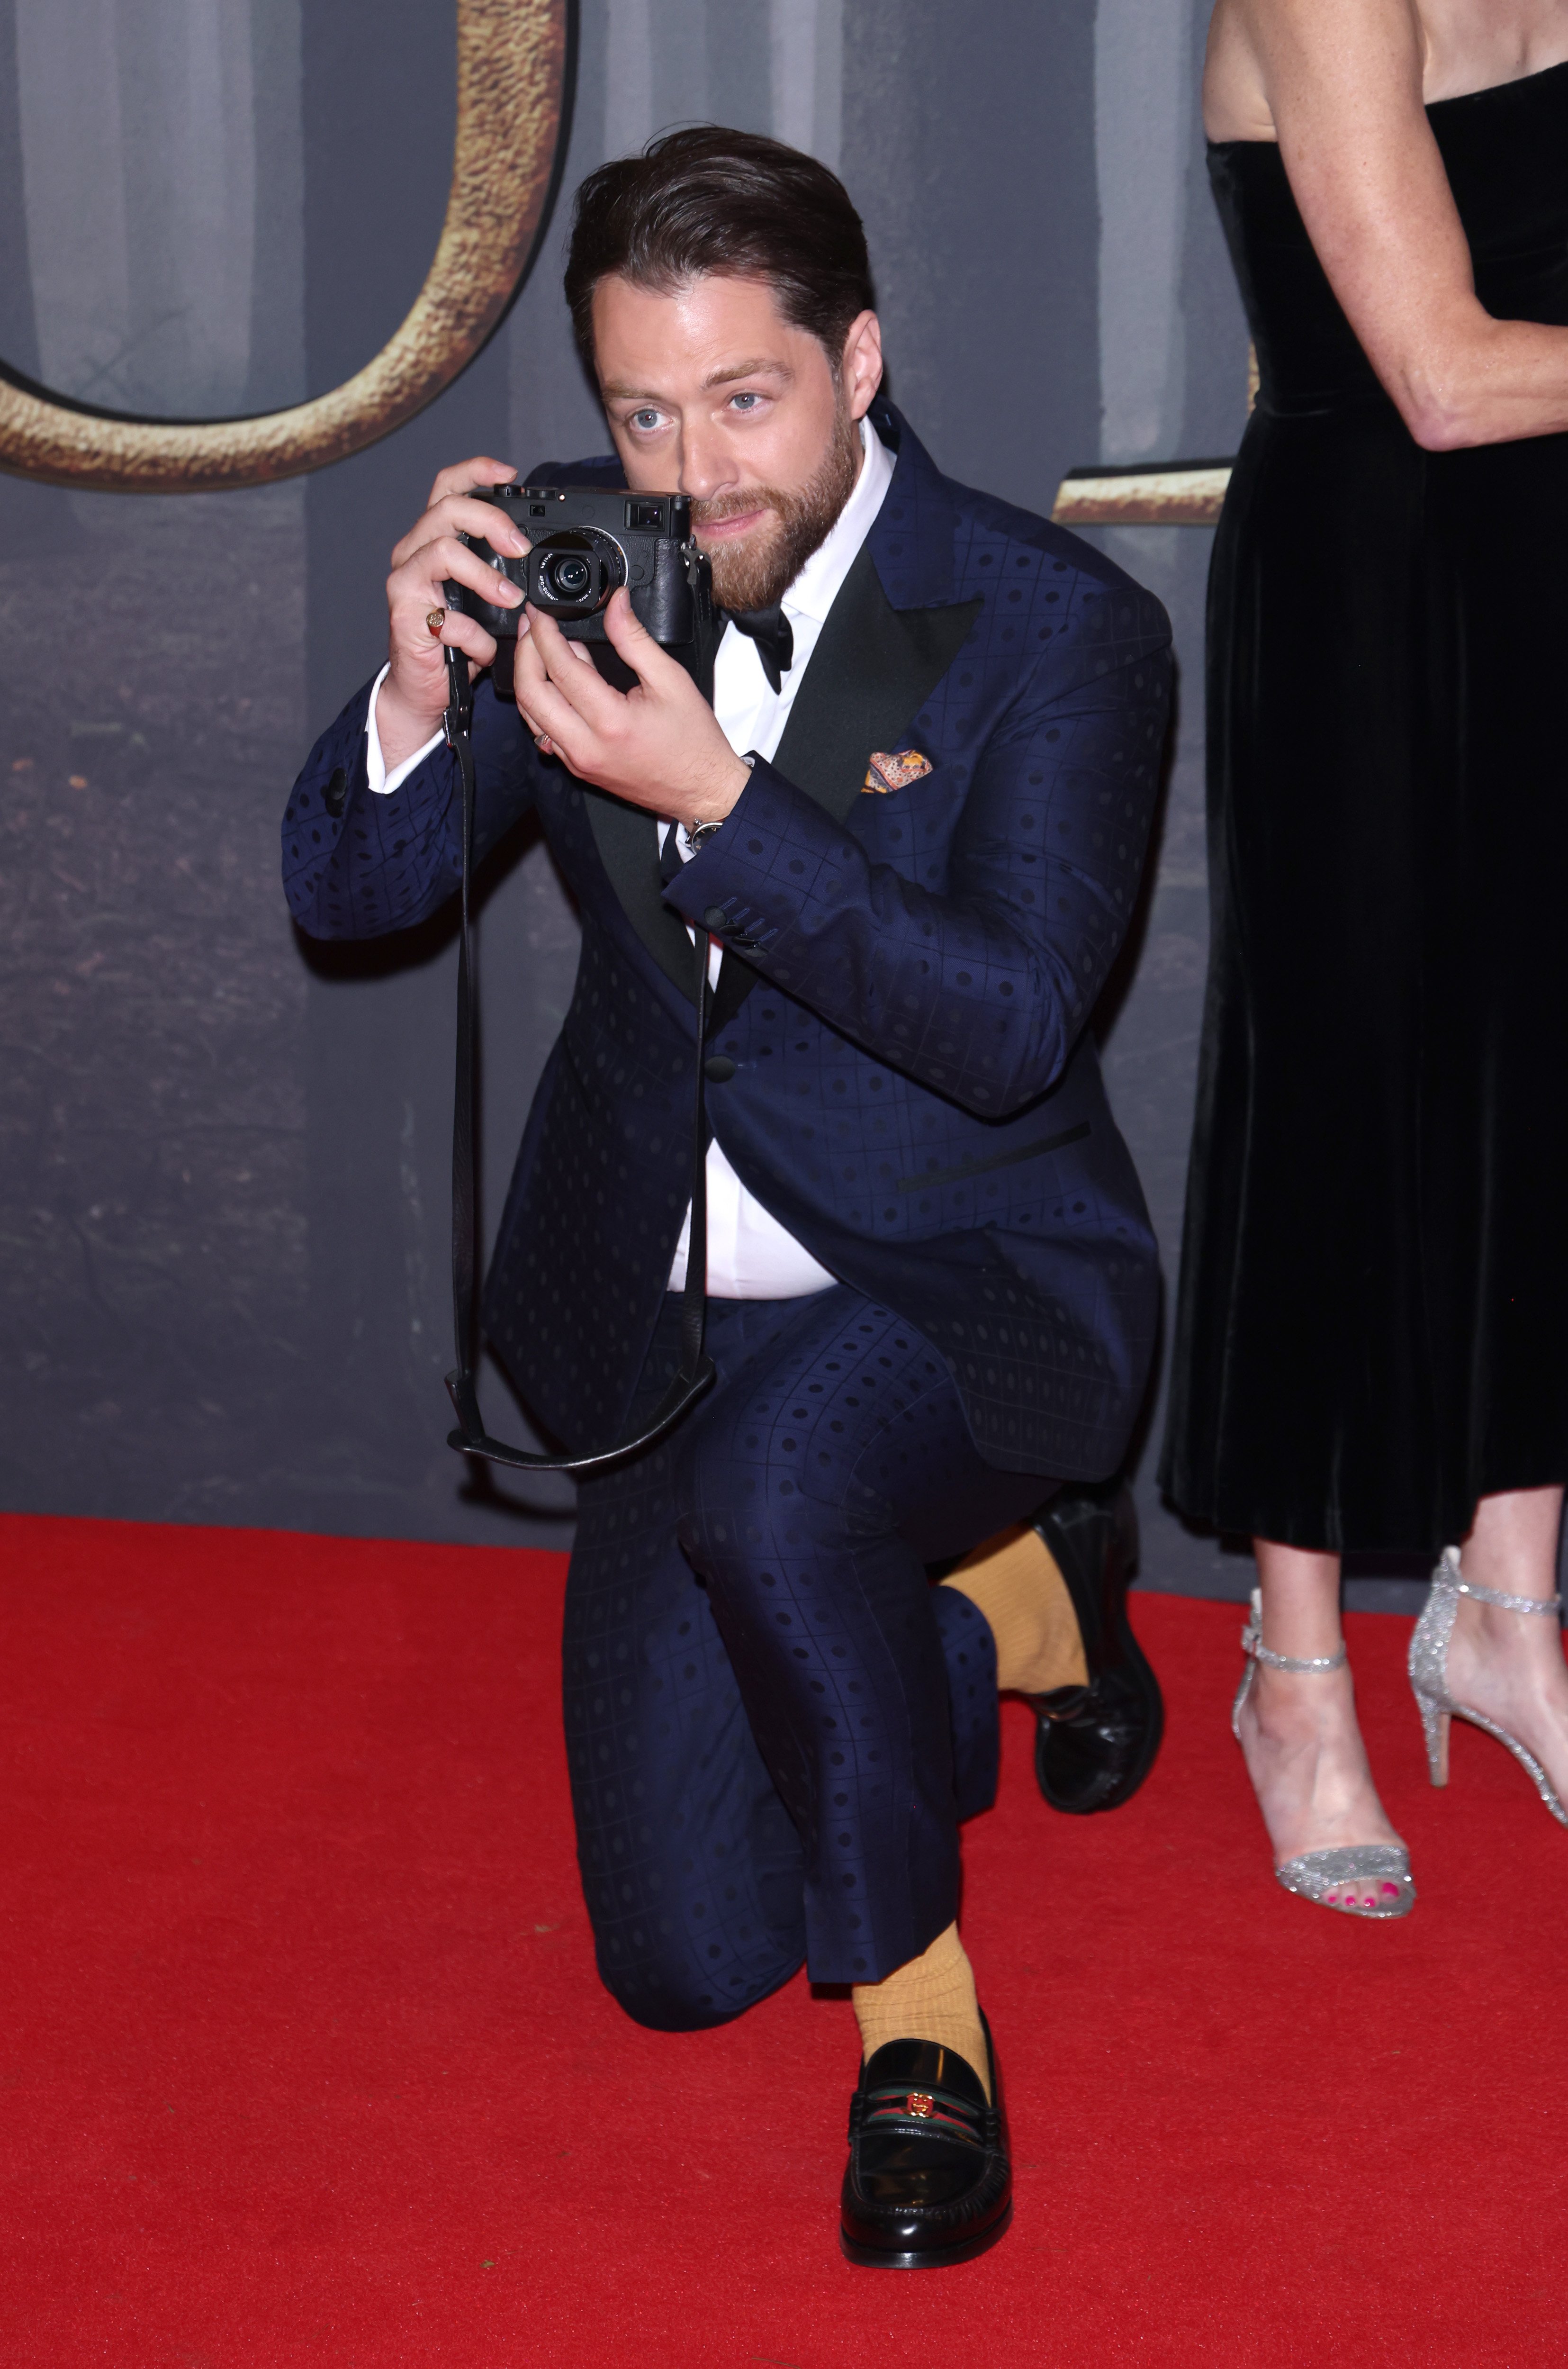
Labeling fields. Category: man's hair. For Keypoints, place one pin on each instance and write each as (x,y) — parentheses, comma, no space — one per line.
(708,199)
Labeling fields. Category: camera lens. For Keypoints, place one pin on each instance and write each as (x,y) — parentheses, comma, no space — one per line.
(567,575)
(572,572)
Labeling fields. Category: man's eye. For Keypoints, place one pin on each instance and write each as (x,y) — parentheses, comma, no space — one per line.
(644,418)
(745,402)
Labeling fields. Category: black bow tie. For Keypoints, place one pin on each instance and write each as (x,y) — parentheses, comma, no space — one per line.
(769,629)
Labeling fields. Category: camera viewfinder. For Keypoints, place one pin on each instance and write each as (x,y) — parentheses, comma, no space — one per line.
(649,515)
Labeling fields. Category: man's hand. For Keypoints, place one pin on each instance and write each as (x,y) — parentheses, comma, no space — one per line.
(659,746)
(413,698)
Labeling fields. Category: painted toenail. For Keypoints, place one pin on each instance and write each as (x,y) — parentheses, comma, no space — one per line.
(1334,1899)
(1390,1891)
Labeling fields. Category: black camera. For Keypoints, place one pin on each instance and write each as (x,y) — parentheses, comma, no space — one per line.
(587,541)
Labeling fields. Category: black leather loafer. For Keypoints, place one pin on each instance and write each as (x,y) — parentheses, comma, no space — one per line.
(1096,1745)
(928,2179)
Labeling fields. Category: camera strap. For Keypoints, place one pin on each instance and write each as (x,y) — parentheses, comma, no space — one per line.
(694,1370)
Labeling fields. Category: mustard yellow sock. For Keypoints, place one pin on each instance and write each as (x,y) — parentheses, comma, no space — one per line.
(1014,1581)
(933,1999)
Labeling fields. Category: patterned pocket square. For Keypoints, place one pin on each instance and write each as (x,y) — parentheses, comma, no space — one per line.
(896,772)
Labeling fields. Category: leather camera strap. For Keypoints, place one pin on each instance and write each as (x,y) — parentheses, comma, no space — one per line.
(695,1370)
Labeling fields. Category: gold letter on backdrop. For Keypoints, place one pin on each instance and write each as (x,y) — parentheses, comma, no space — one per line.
(512,62)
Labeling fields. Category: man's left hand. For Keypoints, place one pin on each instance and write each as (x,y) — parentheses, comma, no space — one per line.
(659,746)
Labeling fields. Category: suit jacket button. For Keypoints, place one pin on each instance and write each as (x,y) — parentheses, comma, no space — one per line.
(714,918)
(719,1068)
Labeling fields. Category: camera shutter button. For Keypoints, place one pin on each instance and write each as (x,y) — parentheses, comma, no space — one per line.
(718,1069)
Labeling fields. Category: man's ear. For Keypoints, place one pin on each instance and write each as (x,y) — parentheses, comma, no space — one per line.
(860,373)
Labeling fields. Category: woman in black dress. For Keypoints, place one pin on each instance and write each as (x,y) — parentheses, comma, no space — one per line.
(1372,1337)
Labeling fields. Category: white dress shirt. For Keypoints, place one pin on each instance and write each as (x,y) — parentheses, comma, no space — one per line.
(750,1255)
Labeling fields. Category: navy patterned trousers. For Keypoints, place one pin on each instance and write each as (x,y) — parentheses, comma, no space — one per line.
(775,1723)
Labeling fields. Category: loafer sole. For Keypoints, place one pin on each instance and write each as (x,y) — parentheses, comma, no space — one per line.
(926,2258)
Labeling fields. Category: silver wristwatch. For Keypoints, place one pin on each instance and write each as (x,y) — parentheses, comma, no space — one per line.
(699,833)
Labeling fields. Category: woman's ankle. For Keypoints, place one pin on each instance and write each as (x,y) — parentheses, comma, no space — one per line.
(1298,1588)
(1293,1707)
(1512,1544)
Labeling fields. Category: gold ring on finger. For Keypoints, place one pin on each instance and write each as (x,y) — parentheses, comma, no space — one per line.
(435,619)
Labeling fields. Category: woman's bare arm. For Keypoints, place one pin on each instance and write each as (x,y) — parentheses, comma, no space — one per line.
(1341,80)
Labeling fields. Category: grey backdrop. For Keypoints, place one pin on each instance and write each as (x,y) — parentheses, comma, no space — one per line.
(224,1185)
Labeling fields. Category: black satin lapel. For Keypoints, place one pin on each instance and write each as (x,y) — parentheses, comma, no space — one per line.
(872,668)
(627,841)
(871,671)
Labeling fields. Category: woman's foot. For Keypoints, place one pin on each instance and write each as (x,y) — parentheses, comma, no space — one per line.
(1308,1769)
(1509,1666)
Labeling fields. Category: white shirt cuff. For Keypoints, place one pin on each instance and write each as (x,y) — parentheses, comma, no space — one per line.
(382,782)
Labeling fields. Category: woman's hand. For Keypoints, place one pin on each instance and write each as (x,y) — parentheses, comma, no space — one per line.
(1343,82)
(413,698)
(659,746)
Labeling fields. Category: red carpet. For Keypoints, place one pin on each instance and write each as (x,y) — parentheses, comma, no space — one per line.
(303,2059)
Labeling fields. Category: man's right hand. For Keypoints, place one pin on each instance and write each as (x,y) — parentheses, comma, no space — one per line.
(413,698)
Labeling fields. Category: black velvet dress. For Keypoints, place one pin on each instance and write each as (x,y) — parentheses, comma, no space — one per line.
(1372,1329)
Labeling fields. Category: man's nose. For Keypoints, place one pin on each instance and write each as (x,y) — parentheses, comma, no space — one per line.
(705,468)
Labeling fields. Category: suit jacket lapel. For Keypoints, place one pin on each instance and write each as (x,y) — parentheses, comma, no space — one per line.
(627,841)
(871,673)
(872,668)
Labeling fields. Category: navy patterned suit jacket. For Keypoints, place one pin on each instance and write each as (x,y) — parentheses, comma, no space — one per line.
(907,980)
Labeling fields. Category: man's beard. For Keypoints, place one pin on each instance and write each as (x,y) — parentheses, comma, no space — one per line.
(756,572)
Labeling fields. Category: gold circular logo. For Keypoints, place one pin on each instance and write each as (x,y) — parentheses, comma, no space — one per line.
(512,69)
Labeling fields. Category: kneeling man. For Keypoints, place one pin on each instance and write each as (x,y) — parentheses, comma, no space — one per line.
(913,821)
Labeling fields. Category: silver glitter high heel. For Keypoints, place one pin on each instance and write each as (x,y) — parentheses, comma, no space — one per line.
(1429,1672)
(1317,1875)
